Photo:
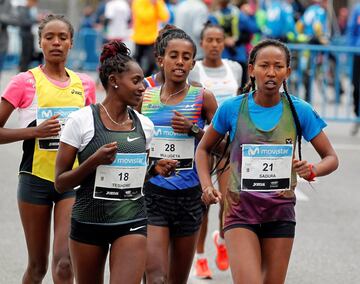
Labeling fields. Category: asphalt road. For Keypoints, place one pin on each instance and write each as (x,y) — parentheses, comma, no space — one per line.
(327,243)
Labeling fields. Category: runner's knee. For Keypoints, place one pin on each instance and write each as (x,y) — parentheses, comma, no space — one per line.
(159,280)
(62,267)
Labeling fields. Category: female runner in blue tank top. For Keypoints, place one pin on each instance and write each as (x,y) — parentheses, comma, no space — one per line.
(111,141)
(259,215)
(179,112)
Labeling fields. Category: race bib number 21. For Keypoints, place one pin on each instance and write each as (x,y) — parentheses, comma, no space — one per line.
(266,167)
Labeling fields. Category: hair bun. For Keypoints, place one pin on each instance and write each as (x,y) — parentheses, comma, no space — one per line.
(113,48)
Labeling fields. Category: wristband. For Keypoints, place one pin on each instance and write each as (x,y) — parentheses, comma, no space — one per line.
(151,169)
(312,175)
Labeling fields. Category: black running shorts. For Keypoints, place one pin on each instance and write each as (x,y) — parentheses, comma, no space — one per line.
(35,190)
(105,234)
(277,229)
(179,210)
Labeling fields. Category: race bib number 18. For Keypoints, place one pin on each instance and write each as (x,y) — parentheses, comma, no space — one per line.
(123,179)
(266,167)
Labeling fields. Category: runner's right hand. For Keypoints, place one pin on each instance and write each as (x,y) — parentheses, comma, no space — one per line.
(48,128)
(106,154)
(210,195)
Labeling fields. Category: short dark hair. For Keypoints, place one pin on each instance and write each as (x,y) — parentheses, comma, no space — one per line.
(209,25)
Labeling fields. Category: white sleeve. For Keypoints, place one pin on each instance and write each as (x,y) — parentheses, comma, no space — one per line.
(148,127)
(108,13)
(79,128)
(194,75)
(237,70)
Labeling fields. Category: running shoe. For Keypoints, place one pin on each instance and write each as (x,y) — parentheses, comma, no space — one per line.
(221,260)
(202,269)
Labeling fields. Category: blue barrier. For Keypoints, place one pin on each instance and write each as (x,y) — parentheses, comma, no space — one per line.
(321,73)
(86,50)
(322,76)
(83,56)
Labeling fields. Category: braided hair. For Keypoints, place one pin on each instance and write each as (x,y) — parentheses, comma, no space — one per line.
(169,35)
(114,58)
(160,37)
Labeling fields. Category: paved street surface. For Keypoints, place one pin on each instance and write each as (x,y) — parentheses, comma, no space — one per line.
(327,243)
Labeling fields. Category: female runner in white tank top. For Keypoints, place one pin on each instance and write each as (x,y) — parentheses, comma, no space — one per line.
(223,78)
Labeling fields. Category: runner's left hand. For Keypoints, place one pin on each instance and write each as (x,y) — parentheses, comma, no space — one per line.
(165,167)
(180,123)
(301,168)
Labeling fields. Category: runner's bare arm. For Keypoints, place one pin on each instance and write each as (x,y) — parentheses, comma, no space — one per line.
(50,127)
(67,178)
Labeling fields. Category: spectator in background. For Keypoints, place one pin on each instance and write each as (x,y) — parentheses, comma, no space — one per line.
(297,7)
(279,22)
(100,13)
(343,20)
(7,17)
(88,18)
(147,15)
(312,28)
(100,24)
(117,18)
(190,16)
(29,16)
(314,23)
(239,26)
(353,37)
(87,36)
(171,5)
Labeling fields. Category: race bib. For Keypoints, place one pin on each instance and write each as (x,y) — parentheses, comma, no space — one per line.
(266,167)
(167,144)
(123,179)
(44,113)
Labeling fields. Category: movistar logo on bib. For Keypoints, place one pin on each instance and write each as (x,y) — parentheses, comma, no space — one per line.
(132,160)
(266,167)
(47,112)
(168,132)
(266,151)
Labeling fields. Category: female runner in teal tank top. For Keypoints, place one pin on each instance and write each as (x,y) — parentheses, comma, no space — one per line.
(174,206)
(111,141)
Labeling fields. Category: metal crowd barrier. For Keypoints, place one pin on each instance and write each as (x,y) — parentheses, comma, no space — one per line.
(322,75)
(86,50)
(83,56)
